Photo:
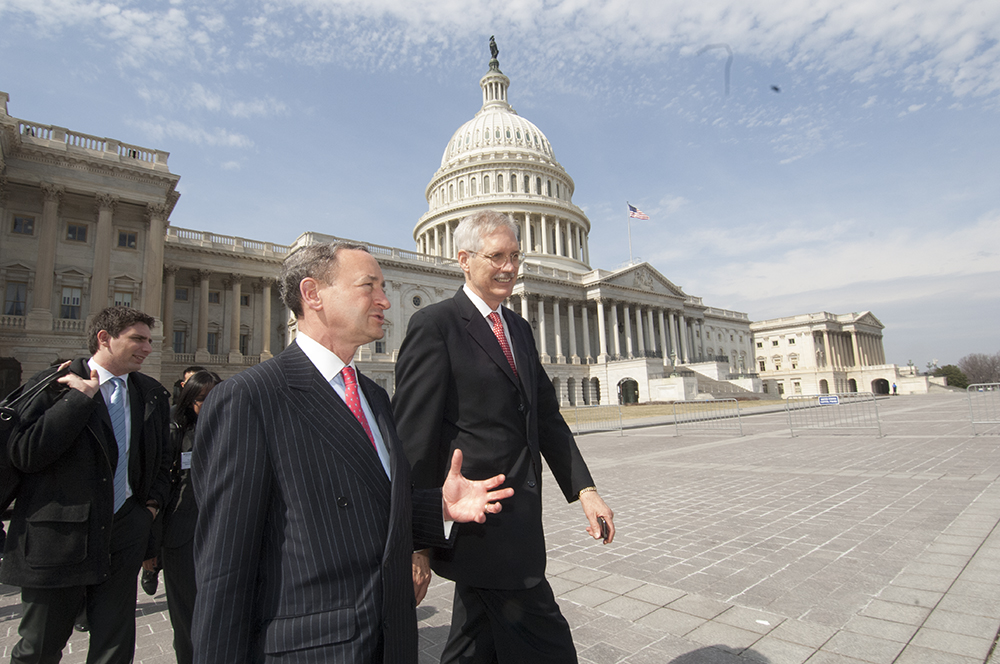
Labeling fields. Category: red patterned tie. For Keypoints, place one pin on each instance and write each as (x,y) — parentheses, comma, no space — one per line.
(354,401)
(502,338)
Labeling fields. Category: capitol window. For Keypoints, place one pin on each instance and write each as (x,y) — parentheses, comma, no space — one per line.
(498,133)
(499,184)
(538,186)
(518,134)
(24,225)
(527,184)
(472,187)
(508,134)
(548,188)
(486,184)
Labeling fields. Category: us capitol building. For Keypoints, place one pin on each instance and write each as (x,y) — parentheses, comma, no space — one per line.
(86,223)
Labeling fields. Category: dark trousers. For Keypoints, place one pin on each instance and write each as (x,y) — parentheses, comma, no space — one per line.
(48,614)
(508,627)
(178,577)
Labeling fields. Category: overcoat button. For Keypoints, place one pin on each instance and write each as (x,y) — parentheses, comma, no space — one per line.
(531,484)
(342,501)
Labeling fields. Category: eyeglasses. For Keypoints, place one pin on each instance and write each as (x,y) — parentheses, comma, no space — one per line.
(499,260)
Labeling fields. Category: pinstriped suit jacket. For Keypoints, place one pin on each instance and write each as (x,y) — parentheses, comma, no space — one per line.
(303,545)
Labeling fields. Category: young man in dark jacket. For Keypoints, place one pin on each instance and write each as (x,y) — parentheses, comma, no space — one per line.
(94,456)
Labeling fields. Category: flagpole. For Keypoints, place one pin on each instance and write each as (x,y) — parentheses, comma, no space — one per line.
(628,222)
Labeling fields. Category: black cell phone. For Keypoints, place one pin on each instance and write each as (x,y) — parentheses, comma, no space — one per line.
(605,531)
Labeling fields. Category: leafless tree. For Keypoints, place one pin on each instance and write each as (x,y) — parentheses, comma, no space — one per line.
(981,368)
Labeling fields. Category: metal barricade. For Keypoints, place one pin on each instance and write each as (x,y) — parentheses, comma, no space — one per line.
(583,419)
(984,407)
(853,410)
(713,415)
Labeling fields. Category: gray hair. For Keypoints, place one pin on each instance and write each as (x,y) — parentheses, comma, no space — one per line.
(318,261)
(471,230)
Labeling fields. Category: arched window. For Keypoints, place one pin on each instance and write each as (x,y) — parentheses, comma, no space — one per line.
(500,183)
(451,192)
(461,189)
(472,187)
(486,184)
(527,184)
(548,188)
(538,186)
(513,183)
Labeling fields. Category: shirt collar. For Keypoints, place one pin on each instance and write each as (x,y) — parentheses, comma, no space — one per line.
(324,359)
(480,303)
(103,375)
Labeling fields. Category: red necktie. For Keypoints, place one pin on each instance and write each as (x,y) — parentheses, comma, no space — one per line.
(354,401)
(502,338)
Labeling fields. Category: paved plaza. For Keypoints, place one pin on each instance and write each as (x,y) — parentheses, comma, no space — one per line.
(826,548)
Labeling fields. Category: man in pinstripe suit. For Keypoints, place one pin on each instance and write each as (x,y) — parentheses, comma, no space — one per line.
(307,513)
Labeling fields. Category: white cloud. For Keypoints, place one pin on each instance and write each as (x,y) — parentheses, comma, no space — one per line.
(159,129)
(917,43)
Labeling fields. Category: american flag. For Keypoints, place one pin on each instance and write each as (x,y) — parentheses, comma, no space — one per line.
(636,213)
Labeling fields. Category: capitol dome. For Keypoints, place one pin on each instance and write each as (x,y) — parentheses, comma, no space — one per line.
(499,160)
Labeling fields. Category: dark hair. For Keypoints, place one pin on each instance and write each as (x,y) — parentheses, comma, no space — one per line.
(184,415)
(192,370)
(114,321)
(318,261)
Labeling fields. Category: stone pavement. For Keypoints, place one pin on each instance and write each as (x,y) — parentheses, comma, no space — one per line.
(826,548)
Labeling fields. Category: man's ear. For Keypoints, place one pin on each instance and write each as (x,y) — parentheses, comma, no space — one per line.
(309,289)
(463,260)
(103,338)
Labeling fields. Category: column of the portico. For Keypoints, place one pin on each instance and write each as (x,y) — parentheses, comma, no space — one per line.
(602,334)
(106,204)
(39,318)
(265,342)
(881,350)
(201,349)
(560,358)
(542,344)
(545,234)
(616,330)
(682,333)
(152,284)
(437,240)
(236,293)
(672,330)
(170,272)
(571,317)
(857,352)
(663,337)
(827,360)
(650,332)
(525,234)
(640,333)
(627,314)
(585,324)
(525,312)
(559,236)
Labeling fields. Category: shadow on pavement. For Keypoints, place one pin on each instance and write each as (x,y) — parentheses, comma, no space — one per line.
(720,654)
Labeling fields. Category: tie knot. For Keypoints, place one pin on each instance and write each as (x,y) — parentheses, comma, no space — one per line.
(348,373)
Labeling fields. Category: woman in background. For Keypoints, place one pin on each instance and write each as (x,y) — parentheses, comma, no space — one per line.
(177,553)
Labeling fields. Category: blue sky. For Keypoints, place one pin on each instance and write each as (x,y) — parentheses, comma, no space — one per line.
(870,181)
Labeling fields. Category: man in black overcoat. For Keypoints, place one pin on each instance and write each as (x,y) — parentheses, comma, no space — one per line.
(94,456)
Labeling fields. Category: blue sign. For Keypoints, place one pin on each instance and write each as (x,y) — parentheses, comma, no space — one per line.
(831,400)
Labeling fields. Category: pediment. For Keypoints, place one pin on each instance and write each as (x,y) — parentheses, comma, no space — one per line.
(18,267)
(643,277)
(868,318)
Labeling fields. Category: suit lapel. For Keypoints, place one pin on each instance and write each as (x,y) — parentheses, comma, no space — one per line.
(482,333)
(335,425)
